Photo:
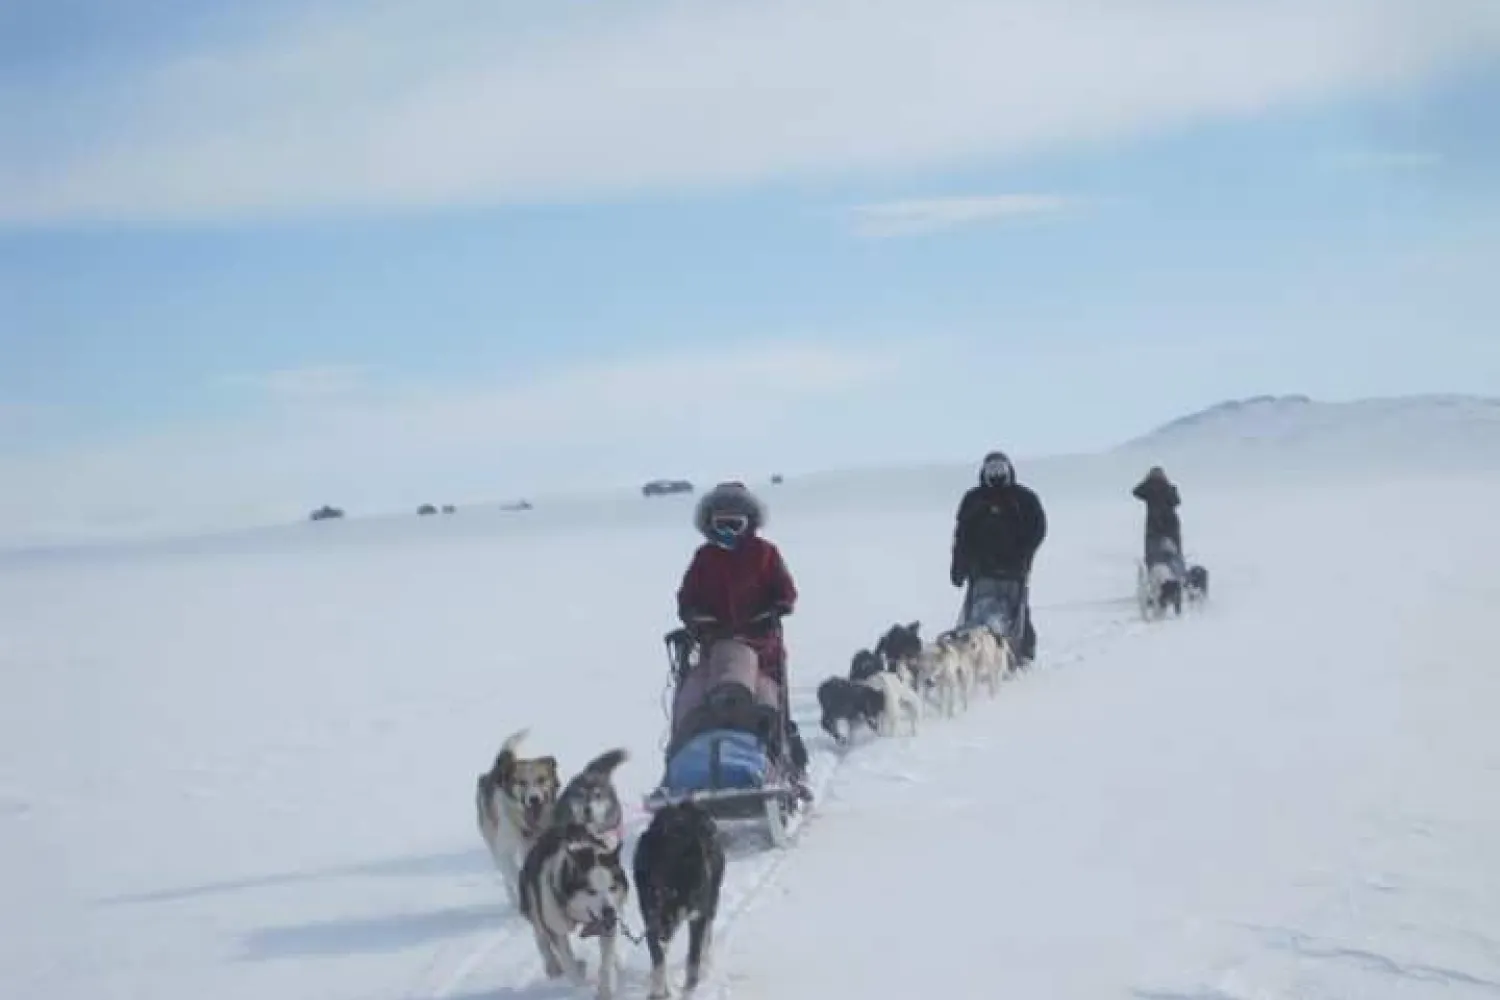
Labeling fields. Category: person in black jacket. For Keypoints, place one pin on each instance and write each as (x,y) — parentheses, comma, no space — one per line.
(998,529)
(1161,498)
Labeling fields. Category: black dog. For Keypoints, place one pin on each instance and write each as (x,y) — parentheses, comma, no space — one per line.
(901,649)
(850,702)
(1197,582)
(901,645)
(679,870)
(1171,595)
(865,665)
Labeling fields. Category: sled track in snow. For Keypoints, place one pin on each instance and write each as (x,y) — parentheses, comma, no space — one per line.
(718,984)
(507,965)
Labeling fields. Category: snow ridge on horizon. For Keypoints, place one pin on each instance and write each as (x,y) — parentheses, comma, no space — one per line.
(1258,439)
(1291,407)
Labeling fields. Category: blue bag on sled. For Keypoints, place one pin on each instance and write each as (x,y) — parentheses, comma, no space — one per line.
(742,763)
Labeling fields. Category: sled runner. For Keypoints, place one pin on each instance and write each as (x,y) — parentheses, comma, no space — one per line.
(729,743)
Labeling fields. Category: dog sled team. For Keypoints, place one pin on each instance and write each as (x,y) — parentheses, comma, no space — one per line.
(733,750)
(997,531)
(1164,578)
(559,849)
(733,753)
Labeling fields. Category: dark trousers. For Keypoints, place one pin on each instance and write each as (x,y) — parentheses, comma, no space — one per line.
(1154,554)
(1153,533)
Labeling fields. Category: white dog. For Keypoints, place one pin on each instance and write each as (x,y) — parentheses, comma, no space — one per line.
(900,700)
(989,656)
(947,669)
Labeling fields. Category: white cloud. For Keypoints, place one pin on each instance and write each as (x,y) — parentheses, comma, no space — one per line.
(923,215)
(386,104)
(384,445)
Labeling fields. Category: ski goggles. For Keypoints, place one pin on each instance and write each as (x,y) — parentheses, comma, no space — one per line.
(997,468)
(733,525)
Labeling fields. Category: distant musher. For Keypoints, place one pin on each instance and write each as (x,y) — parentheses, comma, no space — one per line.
(1161,498)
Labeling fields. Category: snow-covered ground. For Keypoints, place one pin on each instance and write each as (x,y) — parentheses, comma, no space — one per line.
(246,770)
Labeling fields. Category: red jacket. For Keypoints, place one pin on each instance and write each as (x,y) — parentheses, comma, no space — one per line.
(734,585)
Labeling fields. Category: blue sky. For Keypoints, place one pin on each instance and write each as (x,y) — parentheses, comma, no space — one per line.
(258,256)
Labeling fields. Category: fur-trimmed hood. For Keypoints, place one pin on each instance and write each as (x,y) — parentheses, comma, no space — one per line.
(731,498)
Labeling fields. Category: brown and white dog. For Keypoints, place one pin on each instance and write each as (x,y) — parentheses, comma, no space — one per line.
(514,800)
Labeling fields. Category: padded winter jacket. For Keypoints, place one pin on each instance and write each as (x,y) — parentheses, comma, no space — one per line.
(1161,499)
(734,585)
(996,533)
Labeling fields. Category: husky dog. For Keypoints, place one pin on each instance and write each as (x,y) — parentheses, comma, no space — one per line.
(1168,586)
(1163,579)
(1001,659)
(946,671)
(901,649)
(876,702)
(990,657)
(679,872)
(1157,588)
(1196,588)
(864,665)
(867,667)
(901,642)
(897,699)
(514,800)
(846,704)
(590,799)
(572,881)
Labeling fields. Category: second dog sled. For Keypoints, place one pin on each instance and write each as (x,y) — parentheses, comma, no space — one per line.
(1000,605)
(1165,581)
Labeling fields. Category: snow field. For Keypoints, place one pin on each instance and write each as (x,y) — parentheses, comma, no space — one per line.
(250,773)
(1289,795)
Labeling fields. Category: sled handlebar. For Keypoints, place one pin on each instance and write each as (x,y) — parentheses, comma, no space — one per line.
(699,624)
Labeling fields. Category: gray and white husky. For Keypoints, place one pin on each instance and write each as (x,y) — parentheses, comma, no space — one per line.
(590,800)
(571,881)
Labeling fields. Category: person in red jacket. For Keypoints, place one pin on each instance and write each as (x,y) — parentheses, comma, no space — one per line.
(738,584)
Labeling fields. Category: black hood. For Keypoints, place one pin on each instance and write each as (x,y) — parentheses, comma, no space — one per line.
(989,457)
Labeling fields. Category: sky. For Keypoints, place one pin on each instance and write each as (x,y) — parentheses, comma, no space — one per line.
(259,256)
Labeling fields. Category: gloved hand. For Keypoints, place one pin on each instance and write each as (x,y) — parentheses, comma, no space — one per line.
(778,610)
(699,624)
(767,620)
